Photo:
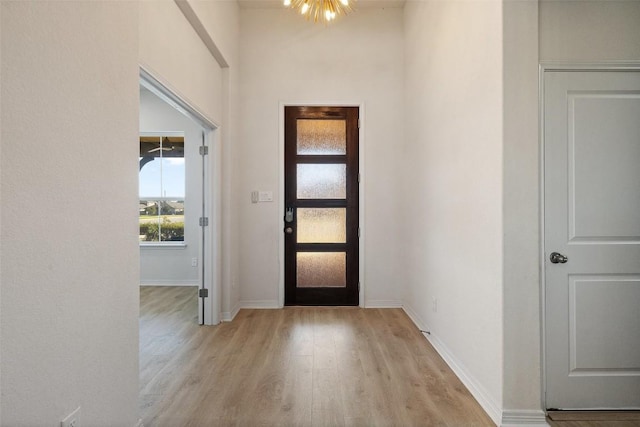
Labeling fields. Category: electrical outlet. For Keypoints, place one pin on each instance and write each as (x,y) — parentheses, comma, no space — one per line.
(194,262)
(72,420)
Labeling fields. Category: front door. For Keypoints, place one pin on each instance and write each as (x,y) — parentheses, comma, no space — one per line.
(592,239)
(321,206)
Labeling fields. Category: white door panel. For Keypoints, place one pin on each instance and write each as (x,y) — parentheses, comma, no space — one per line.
(603,325)
(592,216)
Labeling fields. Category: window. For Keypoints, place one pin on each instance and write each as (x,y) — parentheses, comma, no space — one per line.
(162,188)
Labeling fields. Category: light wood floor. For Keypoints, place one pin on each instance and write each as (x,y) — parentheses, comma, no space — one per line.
(603,423)
(594,419)
(292,367)
(297,367)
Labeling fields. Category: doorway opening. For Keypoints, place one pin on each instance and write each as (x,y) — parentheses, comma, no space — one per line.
(321,205)
(178,189)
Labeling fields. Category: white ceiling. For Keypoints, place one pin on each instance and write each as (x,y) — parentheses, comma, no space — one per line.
(359,3)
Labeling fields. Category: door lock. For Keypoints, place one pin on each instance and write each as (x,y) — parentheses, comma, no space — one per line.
(288,230)
(288,215)
(557,258)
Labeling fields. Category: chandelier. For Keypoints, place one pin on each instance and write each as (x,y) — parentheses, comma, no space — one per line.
(320,10)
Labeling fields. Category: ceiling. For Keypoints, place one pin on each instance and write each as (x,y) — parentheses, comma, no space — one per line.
(359,3)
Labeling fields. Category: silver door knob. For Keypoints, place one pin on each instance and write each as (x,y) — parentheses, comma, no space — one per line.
(557,258)
(288,230)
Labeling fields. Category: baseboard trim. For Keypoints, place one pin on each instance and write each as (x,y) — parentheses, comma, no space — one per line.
(270,304)
(529,418)
(475,388)
(415,318)
(255,304)
(382,303)
(156,283)
(228,316)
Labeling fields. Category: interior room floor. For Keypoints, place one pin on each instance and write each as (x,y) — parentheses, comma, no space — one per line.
(300,366)
(296,366)
(594,419)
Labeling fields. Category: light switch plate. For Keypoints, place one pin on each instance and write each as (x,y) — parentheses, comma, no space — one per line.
(265,196)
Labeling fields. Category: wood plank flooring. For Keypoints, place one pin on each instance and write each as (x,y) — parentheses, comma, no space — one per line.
(594,419)
(292,367)
(602,423)
(297,367)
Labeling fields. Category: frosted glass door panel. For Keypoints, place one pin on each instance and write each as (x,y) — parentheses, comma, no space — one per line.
(322,137)
(321,269)
(321,260)
(322,181)
(322,225)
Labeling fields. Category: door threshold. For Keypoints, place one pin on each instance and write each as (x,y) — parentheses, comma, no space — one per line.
(599,415)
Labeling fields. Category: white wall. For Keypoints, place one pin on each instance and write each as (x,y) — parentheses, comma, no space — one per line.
(171,49)
(284,58)
(521,289)
(567,31)
(172,265)
(589,30)
(1,82)
(175,54)
(222,20)
(451,201)
(69,253)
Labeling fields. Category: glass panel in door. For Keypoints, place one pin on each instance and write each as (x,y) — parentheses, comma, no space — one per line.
(321,194)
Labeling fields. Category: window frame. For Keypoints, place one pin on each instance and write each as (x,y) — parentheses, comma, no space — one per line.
(167,243)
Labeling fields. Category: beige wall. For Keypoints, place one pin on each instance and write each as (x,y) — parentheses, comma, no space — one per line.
(69,253)
(521,288)
(221,19)
(1,84)
(284,58)
(175,54)
(589,30)
(567,31)
(452,197)
(571,31)
(171,50)
(70,81)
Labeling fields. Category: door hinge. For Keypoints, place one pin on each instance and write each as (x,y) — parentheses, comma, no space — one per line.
(204,221)
(358,286)
(203,293)
(358,232)
(358,177)
(358,123)
(204,150)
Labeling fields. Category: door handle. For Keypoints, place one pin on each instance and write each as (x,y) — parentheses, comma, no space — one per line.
(557,258)
(288,230)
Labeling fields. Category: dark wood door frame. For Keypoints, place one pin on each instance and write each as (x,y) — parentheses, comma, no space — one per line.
(349,295)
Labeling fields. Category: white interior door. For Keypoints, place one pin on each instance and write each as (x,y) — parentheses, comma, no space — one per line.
(592,217)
